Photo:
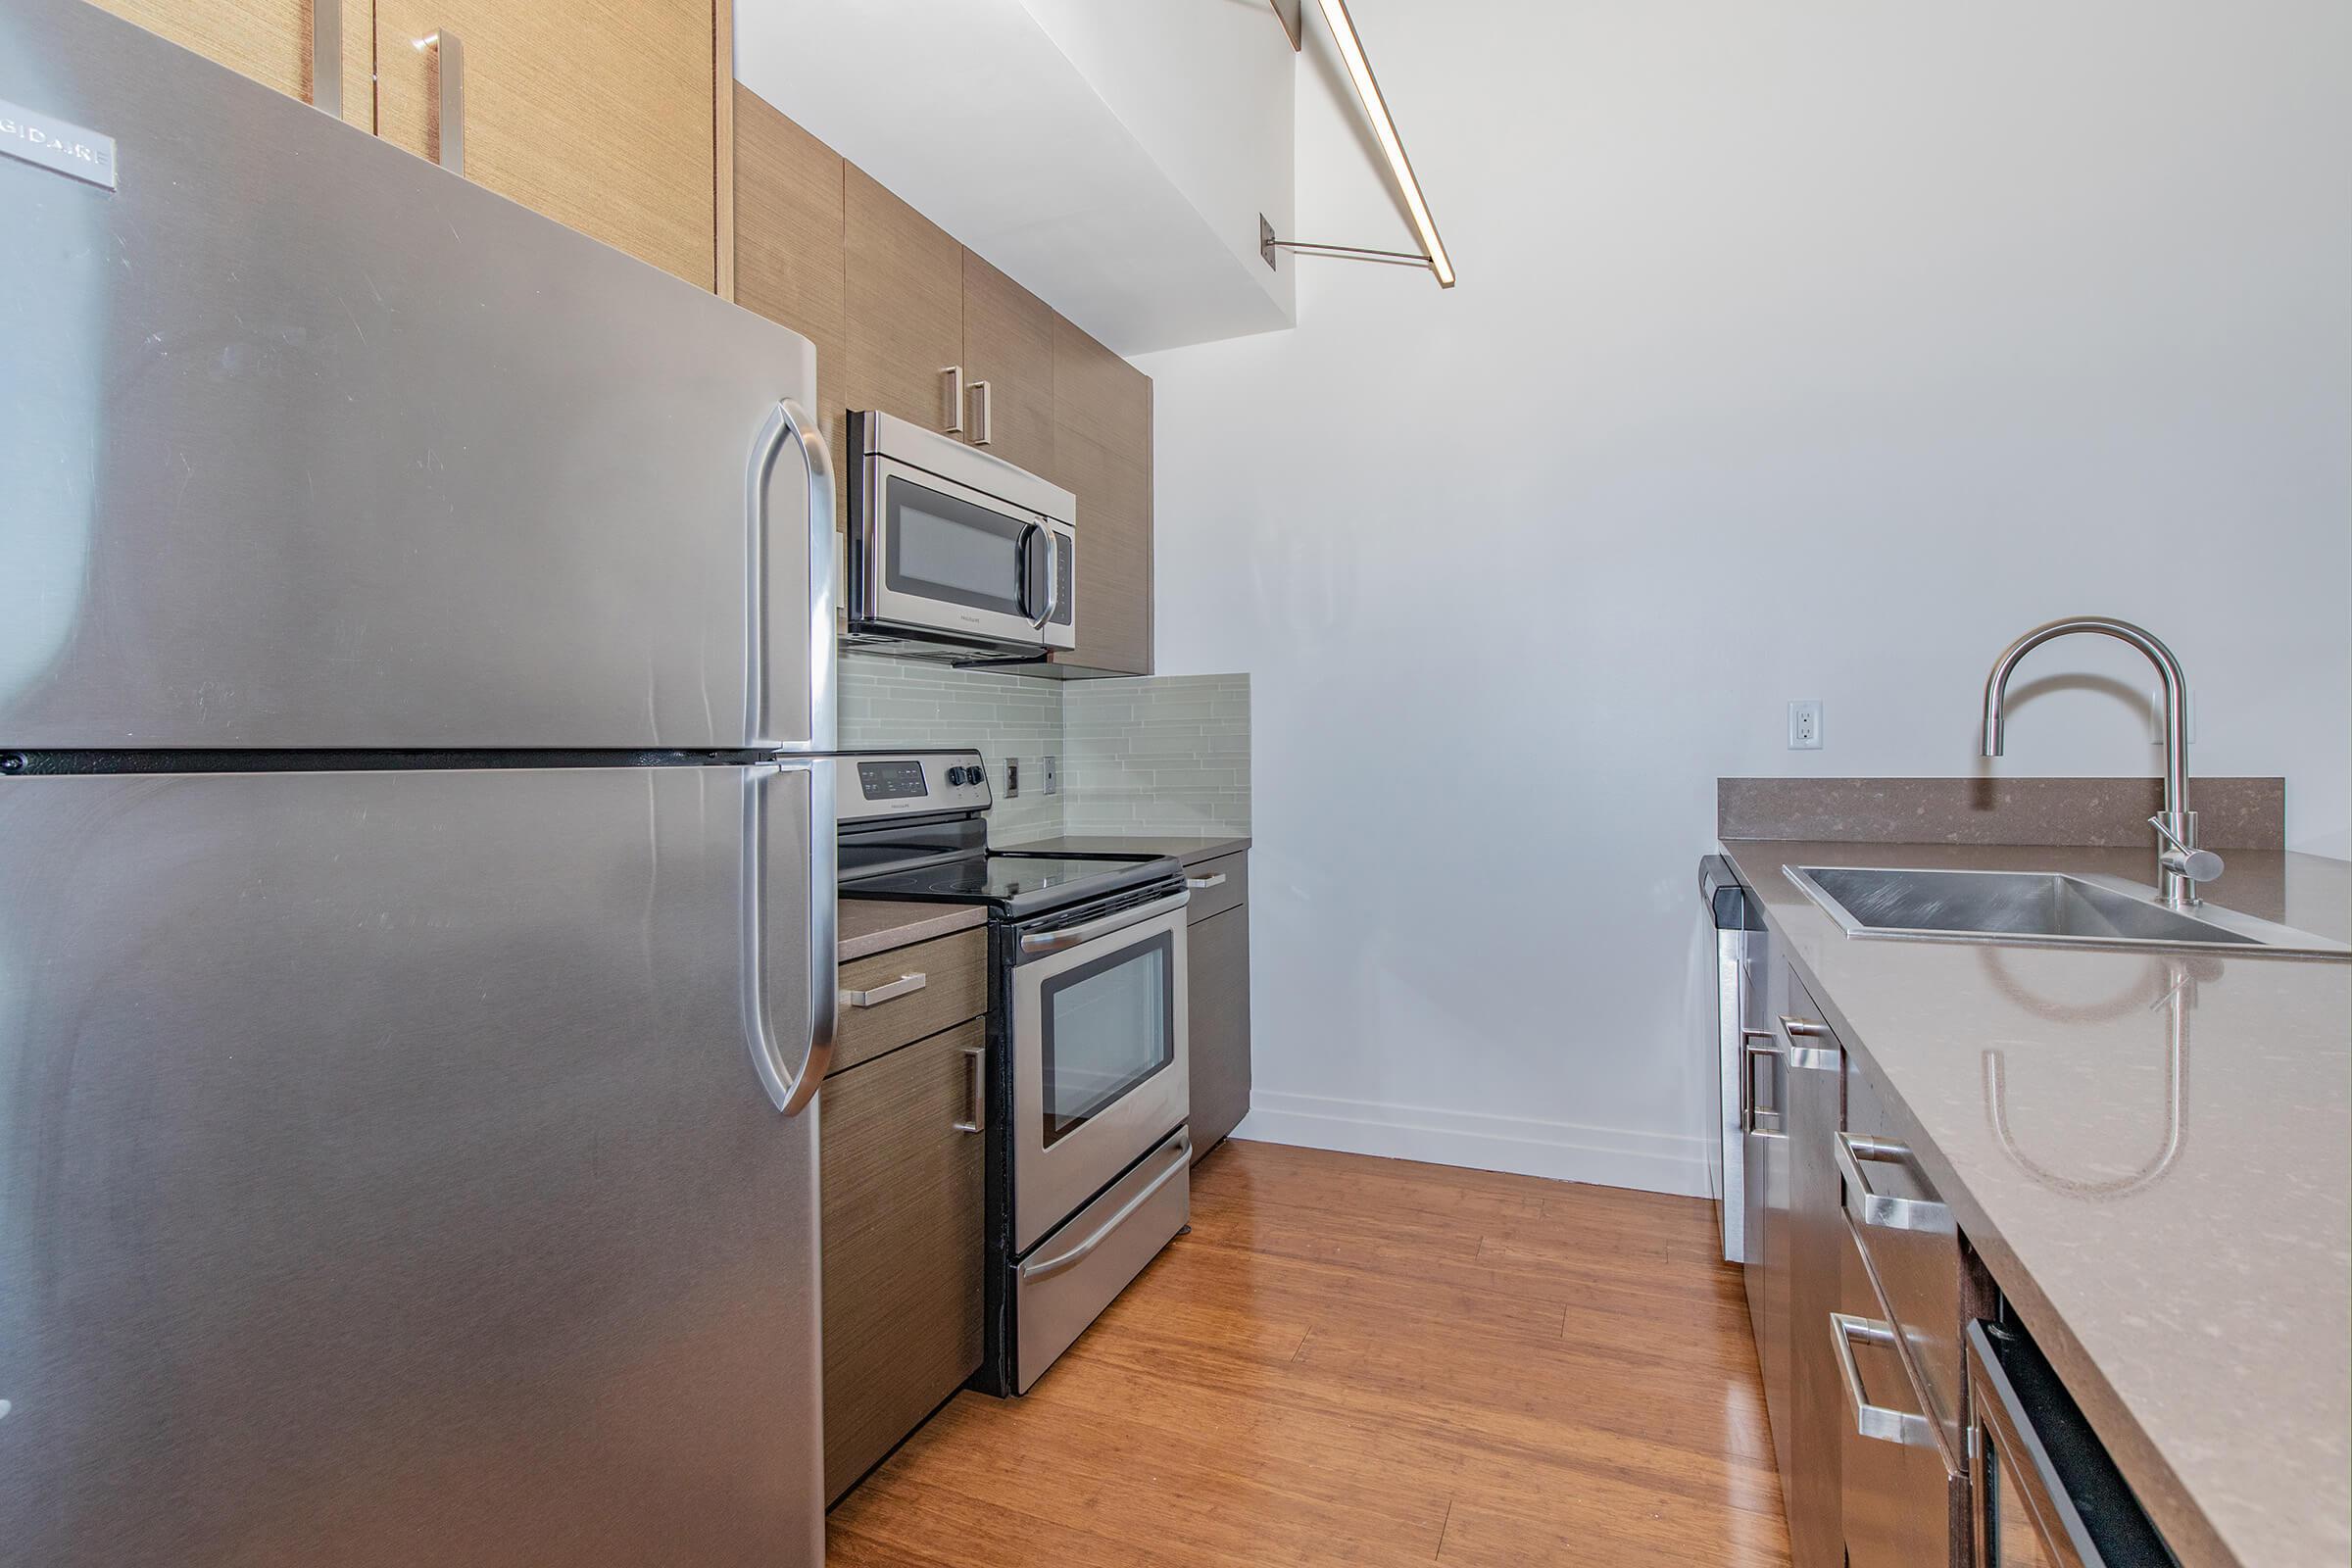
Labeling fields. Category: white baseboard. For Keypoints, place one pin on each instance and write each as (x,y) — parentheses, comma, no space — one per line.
(1654,1163)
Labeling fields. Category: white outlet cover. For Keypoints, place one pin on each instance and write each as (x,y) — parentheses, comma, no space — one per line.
(1804,724)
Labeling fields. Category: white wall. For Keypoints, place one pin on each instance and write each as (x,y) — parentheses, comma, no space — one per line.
(1802,349)
(1209,89)
(1110,158)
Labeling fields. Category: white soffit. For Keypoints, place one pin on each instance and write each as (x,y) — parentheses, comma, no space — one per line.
(1110,158)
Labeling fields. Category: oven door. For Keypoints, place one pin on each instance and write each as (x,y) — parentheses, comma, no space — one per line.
(940,558)
(1099,1058)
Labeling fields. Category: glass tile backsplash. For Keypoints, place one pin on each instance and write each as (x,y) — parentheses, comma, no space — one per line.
(1158,754)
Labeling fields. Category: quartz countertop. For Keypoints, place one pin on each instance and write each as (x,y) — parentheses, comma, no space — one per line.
(2195,1291)
(868,926)
(1191,849)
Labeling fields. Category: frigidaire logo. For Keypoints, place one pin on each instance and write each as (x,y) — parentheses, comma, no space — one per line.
(47,142)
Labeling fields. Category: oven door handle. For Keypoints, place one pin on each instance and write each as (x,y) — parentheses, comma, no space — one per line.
(1079,935)
(1039,1268)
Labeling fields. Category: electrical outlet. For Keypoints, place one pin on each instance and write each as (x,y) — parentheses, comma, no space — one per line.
(1804,724)
(1012,777)
(1053,774)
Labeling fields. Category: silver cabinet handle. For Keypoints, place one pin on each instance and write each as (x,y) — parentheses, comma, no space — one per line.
(1047,1267)
(1804,1028)
(326,57)
(449,72)
(953,375)
(789,419)
(1754,1043)
(1879,1422)
(975,1091)
(1879,1211)
(985,419)
(788,1089)
(904,985)
(1202,884)
(1079,935)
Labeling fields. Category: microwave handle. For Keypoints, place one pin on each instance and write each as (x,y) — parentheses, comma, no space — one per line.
(1031,534)
(1053,578)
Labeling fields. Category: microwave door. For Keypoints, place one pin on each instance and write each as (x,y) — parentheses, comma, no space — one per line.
(946,561)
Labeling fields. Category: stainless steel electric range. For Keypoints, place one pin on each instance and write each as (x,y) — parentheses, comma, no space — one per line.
(1088,1153)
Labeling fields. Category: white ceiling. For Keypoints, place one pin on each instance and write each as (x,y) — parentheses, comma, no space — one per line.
(1110,158)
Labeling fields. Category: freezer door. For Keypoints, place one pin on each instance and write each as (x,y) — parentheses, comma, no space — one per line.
(308,443)
(386,1176)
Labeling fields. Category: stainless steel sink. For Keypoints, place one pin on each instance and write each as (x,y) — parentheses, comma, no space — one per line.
(2040,907)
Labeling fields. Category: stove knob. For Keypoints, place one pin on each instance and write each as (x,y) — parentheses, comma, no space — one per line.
(954,779)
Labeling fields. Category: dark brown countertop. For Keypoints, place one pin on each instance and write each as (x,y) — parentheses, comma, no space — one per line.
(1190,848)
(2196,1294)
(877,925)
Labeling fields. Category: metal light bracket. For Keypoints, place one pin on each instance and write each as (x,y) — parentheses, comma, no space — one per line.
(1267,245)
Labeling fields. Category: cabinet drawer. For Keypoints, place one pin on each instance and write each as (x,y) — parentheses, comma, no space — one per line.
(1217,885)
(892,997)
(1910,1245)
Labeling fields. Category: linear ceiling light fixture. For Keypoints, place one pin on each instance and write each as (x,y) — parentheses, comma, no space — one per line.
(1432,253)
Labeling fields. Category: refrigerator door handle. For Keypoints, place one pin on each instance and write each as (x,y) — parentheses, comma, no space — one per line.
(791,418)
(790,1088)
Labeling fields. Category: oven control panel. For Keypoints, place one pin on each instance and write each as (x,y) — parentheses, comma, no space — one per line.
(868,786)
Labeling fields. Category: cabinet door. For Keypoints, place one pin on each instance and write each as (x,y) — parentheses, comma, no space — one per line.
(904,281)
(902,1231)
(1008,345)
(269,40)
(789,251)
(598,115)
(1217,1039)
(1102,453)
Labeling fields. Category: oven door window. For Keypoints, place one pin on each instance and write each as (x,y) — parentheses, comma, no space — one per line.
(944,548)
(1107,1026)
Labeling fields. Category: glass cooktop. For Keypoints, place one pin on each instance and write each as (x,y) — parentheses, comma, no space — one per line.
(1027,880)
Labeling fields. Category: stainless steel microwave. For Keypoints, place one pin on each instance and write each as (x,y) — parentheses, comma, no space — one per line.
(954,551)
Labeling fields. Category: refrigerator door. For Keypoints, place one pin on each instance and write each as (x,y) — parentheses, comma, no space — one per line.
(386,1176)
(310,444)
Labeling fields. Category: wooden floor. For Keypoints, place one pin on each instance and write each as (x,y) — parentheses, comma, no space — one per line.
(1366,1361)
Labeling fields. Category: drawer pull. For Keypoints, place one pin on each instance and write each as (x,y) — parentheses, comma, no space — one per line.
(1879,1211)
(1754,1043)
(1804,1028)
(904,985)
(1879,1423)
(975,1090)
(1202,884)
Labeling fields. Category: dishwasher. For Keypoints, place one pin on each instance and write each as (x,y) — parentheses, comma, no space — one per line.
(2046,1494)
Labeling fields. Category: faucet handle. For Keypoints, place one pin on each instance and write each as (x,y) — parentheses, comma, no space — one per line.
(2198,865)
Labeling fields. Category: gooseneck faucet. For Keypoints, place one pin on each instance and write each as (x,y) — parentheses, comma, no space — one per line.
(2180,864)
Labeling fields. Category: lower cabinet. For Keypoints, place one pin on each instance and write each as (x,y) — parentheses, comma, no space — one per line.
(903,1228)
(1217,1002)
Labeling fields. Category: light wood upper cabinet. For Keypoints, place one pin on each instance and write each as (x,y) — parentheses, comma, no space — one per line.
(269,40)
(600,114)
(905,288)
(788,252)
(1008,345)
(1102,453)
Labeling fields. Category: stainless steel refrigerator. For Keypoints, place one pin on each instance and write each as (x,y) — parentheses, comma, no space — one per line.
(415,892)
